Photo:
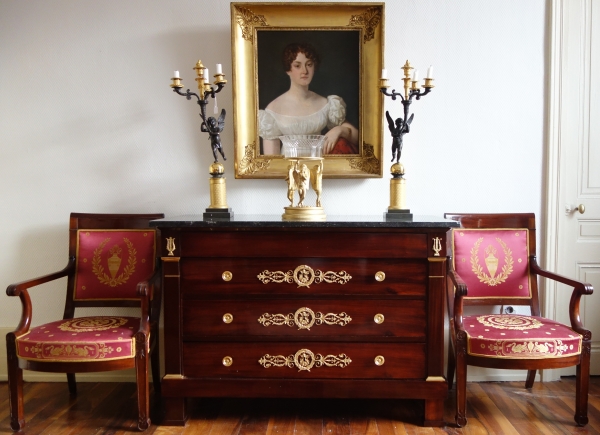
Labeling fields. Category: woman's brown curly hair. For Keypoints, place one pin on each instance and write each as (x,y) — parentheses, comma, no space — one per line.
(291,51)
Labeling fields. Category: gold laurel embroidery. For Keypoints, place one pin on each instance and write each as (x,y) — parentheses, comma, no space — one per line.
(478,270)
(127,270)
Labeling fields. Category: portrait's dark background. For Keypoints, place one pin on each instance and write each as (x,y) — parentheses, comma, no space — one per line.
(338,72)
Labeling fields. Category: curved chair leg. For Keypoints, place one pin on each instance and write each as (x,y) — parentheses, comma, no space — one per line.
(155,365)
(15,385)
(72,384)
(461,382)
(451,365)
(582,387)
(530,378)
(141,374)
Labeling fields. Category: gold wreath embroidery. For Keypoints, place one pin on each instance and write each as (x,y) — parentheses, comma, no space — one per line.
(114,280)
(92,324)
(491,279)
(514,322)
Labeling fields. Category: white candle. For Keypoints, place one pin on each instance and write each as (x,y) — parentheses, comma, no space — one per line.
(219,69)
(176,74)
(206,74)
(384,73)
(430,72)
(415,76)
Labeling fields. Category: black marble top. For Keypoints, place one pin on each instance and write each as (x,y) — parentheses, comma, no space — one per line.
(265,221)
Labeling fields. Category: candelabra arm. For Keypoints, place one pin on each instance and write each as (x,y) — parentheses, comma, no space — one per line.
(420,94)
(210,91)
(394,94)
(187,94)
(219,87)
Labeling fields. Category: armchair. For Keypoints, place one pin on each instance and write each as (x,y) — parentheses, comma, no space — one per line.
(112,263)
(493,262)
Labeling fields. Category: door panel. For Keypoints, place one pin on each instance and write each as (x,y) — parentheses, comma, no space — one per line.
(575,153)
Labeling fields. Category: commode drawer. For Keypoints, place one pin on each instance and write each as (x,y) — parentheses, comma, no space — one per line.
(343,320)
(202,277)
(305,360)
(303,243)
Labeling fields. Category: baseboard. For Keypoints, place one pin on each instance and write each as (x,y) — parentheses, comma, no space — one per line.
(479,374)
(3,370)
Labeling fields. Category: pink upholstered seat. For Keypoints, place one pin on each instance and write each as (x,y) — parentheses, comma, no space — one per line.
(516,336)
(81,339)
(493,264)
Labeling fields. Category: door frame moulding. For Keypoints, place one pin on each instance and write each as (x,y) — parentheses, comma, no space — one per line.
(569,24)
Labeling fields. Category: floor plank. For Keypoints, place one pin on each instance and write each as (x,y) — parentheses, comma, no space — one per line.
(492,408)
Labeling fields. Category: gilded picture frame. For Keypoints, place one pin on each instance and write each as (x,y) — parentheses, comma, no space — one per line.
(349,40)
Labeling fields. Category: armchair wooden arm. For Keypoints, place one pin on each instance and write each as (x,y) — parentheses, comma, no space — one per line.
(580,288)
(143,291)
(457,289)
(15,289)
(20,289)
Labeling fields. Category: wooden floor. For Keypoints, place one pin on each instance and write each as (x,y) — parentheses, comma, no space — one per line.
(493,408)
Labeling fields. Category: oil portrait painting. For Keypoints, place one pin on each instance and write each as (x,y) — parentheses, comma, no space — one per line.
(302,71)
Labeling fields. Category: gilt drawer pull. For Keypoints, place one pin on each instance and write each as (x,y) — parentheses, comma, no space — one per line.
(379,360)
(305,359)
(304,318)
(227,361)
(380,276)
(227,318)
(304,276)
(379,318)
(227,276)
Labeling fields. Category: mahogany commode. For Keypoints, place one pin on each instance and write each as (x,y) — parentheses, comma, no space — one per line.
(348,308)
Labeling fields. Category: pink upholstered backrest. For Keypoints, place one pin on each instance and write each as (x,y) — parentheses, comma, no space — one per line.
(493,262)
(110,263)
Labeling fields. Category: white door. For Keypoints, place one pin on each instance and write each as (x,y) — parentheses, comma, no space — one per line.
(573,221)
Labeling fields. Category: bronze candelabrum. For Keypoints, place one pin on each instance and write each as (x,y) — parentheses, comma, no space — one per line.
(218,208)
(398,128)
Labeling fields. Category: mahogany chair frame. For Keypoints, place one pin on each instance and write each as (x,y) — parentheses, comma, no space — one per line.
(149,292)
(458,357)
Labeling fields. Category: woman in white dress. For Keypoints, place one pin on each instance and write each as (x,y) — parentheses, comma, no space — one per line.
(302,111)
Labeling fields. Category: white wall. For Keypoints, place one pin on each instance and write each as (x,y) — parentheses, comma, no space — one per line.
(88,122)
